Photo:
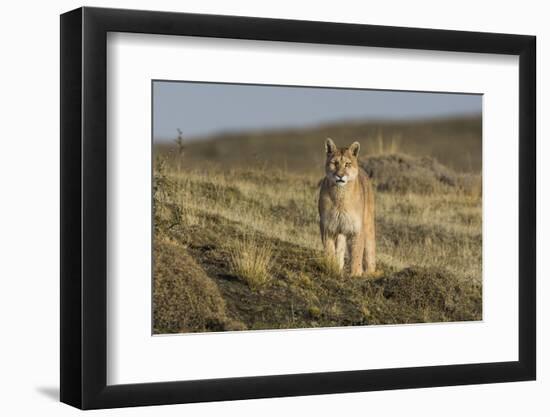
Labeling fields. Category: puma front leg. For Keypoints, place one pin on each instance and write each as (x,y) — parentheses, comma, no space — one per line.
(340,251)
(329,245)
(357,245)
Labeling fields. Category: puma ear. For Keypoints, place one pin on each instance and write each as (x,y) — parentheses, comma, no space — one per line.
(330,146)
(354,148)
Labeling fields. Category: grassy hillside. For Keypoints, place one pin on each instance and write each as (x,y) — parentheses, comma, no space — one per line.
(237,241)
(455,143)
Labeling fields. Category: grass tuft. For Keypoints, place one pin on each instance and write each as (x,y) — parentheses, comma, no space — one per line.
(250,260)
(329,266)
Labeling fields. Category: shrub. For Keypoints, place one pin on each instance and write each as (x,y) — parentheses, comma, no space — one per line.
(167,213)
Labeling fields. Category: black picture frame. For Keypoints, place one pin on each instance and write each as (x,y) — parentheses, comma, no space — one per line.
(84,207)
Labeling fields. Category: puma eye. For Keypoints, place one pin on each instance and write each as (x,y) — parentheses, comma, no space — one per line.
(348,164)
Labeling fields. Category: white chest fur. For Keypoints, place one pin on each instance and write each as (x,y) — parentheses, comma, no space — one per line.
(342,222)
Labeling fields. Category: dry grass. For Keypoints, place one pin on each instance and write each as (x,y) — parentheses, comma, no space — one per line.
(441,228)
(387,146)
(239,248)
(250,259)
(329,265)
(253,236)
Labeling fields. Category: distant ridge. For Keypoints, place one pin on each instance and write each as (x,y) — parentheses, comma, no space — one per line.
(454,141)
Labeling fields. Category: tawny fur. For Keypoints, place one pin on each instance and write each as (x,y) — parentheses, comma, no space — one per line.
(346,209)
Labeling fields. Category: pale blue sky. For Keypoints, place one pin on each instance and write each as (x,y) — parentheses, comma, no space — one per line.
(202,109)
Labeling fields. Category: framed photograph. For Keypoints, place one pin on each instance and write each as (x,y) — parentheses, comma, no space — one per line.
(257,208)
